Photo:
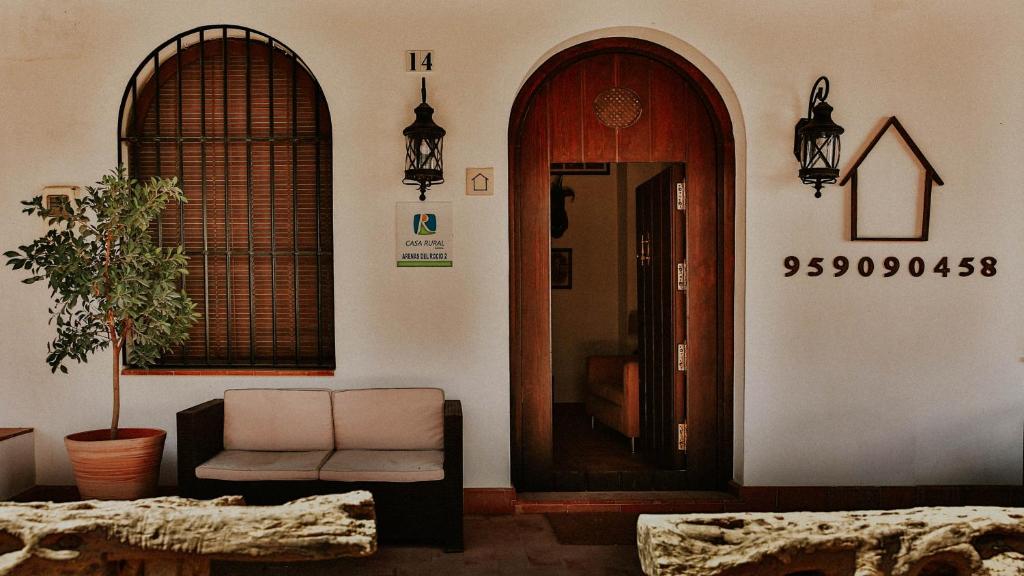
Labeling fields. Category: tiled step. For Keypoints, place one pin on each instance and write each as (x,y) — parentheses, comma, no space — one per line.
(649,502)
(580,480)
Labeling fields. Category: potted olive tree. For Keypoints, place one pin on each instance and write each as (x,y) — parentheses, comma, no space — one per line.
(111,288)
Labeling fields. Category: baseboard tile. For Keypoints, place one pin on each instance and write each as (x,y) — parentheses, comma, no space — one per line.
(489,501)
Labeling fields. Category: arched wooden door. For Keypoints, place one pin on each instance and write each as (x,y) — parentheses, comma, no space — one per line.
(558,117)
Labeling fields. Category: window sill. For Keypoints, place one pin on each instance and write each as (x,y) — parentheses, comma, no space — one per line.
(224,372)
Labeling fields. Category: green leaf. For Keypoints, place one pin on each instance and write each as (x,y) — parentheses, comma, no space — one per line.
(135,281)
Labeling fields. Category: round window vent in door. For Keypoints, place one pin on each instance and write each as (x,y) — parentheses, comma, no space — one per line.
(618,107)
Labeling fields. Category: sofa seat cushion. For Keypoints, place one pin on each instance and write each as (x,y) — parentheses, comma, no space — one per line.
(384,466)
(389,419)
(250,465)
(284,420)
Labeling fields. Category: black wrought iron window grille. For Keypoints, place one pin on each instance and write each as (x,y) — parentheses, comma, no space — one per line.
(242,123)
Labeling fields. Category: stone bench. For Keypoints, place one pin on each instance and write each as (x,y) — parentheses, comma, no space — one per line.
(179,536)
(961,541)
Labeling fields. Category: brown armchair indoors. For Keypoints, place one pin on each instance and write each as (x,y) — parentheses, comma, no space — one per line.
(613,393)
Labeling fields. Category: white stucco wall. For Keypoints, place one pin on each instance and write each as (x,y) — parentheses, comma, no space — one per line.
(839,381)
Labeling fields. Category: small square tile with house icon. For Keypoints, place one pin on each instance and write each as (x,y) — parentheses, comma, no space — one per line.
(480,181)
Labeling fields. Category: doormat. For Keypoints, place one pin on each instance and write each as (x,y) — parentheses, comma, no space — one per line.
(594,528)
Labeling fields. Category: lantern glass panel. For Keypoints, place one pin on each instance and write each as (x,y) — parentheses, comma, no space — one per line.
(820,151)
(423,140)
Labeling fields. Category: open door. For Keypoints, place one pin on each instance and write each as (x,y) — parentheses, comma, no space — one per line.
(661,295)
(670,113)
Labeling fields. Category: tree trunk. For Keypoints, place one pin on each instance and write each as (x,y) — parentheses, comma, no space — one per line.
(117,390)
(115,344)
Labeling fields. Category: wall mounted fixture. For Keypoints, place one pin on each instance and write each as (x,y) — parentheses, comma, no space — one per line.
(816,140)
(57,199)
(423,142)
(930,176)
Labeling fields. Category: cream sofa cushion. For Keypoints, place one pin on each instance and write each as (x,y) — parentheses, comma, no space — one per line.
(389,419)
(249,465)
(278,420)
(384,466)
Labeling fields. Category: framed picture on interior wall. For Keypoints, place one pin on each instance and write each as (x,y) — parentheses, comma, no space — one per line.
(561,268)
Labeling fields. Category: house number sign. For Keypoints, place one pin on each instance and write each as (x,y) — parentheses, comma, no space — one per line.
(419,61)
(891,266)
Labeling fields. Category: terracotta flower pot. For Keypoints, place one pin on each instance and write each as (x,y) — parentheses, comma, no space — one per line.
(122,469)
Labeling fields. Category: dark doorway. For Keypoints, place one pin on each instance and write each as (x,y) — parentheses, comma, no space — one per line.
(623,100)
(618,388)
(594,328)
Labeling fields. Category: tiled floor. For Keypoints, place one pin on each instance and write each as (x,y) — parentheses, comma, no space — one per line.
(599,458)
(503,545)
(577,446)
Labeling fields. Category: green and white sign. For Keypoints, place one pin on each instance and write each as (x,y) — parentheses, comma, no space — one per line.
(423,234)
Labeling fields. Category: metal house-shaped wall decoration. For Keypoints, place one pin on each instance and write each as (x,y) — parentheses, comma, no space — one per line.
(930,176)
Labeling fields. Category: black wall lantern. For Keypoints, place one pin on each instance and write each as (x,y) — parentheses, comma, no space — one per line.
(423,142)
(816,142)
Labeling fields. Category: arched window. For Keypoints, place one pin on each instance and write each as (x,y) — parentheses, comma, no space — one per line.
(240,120)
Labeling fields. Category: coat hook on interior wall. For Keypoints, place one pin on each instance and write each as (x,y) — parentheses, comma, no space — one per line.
(423,143)
(816,140)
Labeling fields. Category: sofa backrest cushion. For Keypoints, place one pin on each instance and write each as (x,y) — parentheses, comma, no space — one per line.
(389,419)
(278,420)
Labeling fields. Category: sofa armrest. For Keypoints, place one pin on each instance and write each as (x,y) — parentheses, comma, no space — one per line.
(453,473)
(631,393)
(453,439)
(604,376)
(200,437)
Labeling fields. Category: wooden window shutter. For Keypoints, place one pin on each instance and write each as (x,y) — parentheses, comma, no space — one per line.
(244,126)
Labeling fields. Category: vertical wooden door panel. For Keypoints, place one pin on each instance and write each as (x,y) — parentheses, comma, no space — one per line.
(535,292)
(664,339)
(634,142)
(644,305)
(727,175)
(566,115)
(660,234)
(598,139)
(669,114)
(675,309)
(703,313)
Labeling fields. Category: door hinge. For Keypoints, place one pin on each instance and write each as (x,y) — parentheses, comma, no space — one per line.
(682,282)
(681,195)
(681,360)
(682,437)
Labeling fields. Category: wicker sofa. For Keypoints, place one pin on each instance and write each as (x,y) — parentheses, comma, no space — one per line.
(404,445)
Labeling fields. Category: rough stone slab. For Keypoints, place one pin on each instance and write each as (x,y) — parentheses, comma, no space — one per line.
(179,535)
(956,541)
